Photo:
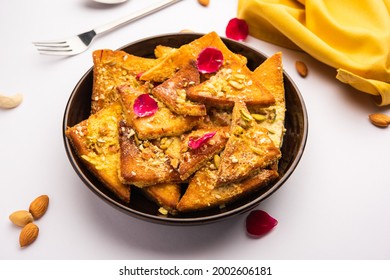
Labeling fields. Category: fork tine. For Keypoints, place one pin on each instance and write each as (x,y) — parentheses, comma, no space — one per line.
(56,52)
(54,44)
(70,46)
(55,47)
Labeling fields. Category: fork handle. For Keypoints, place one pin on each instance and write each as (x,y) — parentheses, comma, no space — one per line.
(134,16)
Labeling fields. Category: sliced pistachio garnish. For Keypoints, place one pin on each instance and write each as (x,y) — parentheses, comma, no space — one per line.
(259,117)
(257,150)
(246,115)
(217,161)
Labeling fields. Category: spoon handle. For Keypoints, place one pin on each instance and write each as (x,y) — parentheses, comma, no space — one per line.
(134,16)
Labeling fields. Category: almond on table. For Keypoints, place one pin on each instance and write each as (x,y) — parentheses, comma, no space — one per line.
(21,218)
(28,234)
(301,69)
(380,120)
(38,206)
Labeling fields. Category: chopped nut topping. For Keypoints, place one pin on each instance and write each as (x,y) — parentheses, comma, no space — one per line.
(246,115)
(258,117)
(233,159)
(249,83)
(239,76)
(163,211)
(217,160)
(236,84)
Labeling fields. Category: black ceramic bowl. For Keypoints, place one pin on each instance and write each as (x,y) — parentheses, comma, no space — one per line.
(78,109)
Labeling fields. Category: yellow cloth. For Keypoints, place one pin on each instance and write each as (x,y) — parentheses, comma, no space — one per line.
(352,36)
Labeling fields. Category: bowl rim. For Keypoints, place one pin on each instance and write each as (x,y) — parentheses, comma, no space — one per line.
(172,220)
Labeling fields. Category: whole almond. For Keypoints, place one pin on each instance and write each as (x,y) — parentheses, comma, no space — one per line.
(21,218)
(28,234)
(204,2)
(379,119)
(38,206)
(9,102)
(301,68)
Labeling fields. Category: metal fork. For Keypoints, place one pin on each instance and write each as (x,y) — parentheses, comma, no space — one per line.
(79,43)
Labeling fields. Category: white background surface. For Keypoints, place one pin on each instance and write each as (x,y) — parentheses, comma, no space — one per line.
(336,205)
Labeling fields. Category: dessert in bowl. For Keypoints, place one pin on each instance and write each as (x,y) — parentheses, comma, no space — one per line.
(166,135)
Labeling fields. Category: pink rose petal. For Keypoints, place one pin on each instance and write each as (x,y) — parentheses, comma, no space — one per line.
(259,222)
(138,76)
(237,29)
(209,60)
(145,106)
(196,143)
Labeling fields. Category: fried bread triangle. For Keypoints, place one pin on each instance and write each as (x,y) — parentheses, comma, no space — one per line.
(177,58)
(173,92)
(114,68)
(203,193)
(248,149)
(96,142)
(270,74)
(142,163)
(193,159)
(232,82)
(163,123)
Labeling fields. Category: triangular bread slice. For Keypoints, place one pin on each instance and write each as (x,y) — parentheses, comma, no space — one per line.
(270,74)
(248,149)
(231,83)
(96,142)
(192,160)
(163,123)
(173,92)
(111,69)
(177,58)
(202,192)
(141,162)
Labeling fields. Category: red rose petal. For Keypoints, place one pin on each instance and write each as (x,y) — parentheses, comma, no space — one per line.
(196,143)
(138,76)
(209,60)
(237,29)
(259,222)
(145,106)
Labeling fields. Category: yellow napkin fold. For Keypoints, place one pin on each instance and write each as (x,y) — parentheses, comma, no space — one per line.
(352,36)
